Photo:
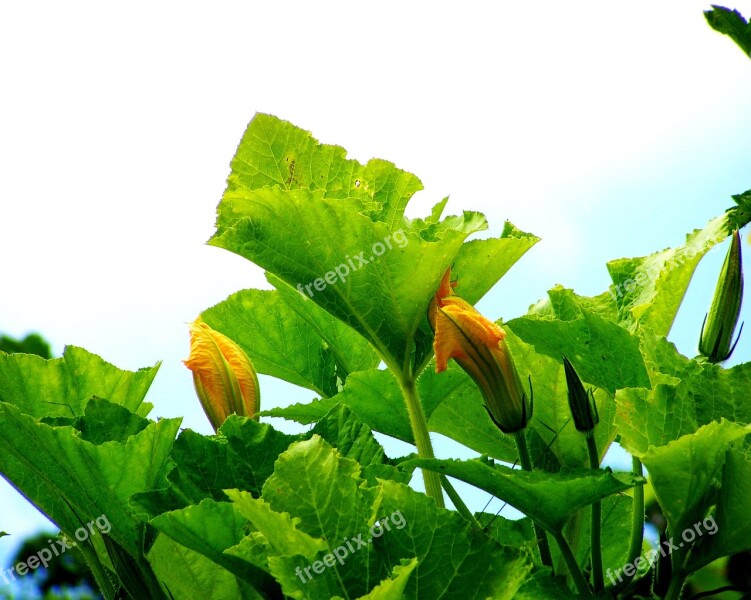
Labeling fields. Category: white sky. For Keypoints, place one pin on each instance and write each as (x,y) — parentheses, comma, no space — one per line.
(610,130)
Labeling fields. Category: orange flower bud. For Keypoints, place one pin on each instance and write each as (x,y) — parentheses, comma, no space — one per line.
(478,345)
(223,375)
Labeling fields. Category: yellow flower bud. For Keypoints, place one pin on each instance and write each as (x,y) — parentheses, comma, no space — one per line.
(223,375)
(478,345)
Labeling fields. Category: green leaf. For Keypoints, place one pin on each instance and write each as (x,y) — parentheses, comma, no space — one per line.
(686,394)
(210,528)
(604,354)
(325,491)
(732,24)
(281,531)
(480,264)
(189,574)
(350,436)
(393,588)
(295,207)
(61,387)
(303,412)
(682,472)
(104,421)
(729,530)
(291,338)
(33,343)
(739,216)
(241,455)
(649,290)
(550,499)
(60,472)
(542,586)
(303,238)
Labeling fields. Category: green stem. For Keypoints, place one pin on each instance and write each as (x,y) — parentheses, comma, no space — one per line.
(576,574)
(422,439)
(679,560)
(637,524)
(676,585)
(459,503)
(542,538)
(101,578)
(595,529)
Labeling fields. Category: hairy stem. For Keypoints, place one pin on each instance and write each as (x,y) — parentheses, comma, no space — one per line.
(595,529)
(422,439)
(542,538)
(576,574)
(637,524)
(459,503)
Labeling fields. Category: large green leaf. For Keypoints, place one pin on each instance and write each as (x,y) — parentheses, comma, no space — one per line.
(74,480)
(209,529)
(550,499)
(189,574)
(291,338)
(302,237)
(242,456)
(649,290)
(604,354)
(682,472)
(325,491)
(729,530)
(61,387)
(335,230)
(686,393)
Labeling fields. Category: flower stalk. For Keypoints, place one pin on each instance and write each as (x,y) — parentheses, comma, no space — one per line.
(546,558)
(583,408)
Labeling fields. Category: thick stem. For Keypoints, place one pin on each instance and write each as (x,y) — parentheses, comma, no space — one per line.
(576,574)
(422,439)
(595,529)
(676,585)
(637,524)
(542,538)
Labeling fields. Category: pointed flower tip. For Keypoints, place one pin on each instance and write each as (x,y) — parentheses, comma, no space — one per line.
(477,345)
(716,340)
(224,378)
(581,402)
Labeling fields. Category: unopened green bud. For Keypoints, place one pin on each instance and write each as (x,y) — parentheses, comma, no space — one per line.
(581,402)
(716,342)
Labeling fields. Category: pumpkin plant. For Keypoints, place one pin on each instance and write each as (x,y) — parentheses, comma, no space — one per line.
(373,312)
